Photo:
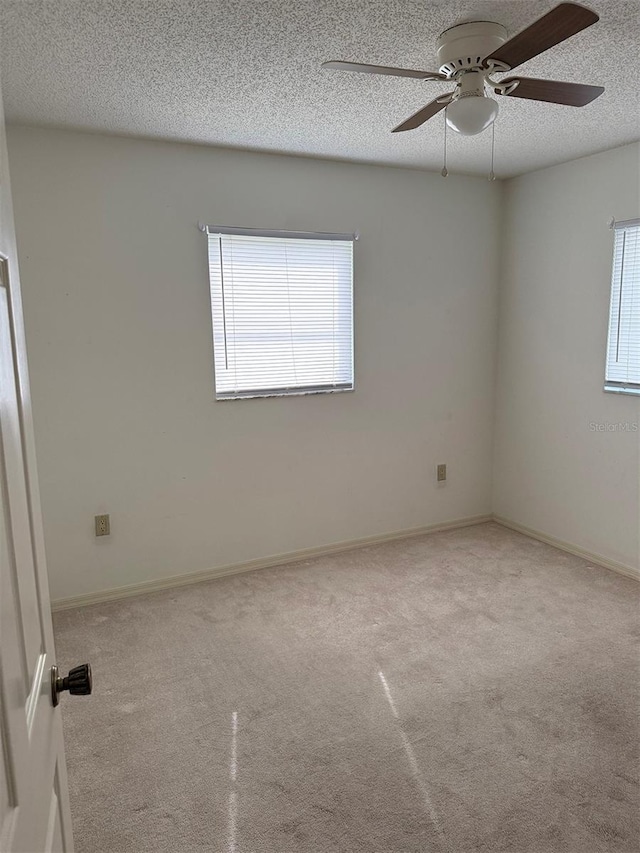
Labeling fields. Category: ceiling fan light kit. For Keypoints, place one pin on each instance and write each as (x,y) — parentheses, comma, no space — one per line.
(470,110)
(470,116)
(471,53)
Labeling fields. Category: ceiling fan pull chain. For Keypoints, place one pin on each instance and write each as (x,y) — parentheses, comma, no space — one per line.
(492,175)
(445,171)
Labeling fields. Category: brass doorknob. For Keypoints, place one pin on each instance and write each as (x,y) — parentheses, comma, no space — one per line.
(78,682)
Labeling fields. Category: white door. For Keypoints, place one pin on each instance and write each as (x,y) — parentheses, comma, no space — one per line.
(34,803)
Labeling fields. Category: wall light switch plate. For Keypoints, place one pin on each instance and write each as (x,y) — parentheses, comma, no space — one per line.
(103,526)
(442,473)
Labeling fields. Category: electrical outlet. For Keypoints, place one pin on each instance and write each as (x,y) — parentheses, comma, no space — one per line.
(442,473)
(103,527)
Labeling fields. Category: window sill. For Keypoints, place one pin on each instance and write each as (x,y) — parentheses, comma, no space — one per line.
(301,392)
(631,390)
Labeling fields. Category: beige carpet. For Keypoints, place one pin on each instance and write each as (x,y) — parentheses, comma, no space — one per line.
(473,690)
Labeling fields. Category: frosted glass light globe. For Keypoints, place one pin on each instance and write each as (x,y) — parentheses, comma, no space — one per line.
(472,114)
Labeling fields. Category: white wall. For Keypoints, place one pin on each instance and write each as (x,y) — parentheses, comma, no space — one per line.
(119,336)
(554,472)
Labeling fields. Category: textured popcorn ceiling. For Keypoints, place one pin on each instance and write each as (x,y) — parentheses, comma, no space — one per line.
(247,74)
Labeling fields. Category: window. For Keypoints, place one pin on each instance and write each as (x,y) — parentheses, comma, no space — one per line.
(623,345)
(282,307)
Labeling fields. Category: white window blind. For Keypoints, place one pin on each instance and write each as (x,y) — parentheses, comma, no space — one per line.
(623,345)
(282,312)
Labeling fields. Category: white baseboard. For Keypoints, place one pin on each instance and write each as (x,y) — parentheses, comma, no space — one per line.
(620,568)
(262,563)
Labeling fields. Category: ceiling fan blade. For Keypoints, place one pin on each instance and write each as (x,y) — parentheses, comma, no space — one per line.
(553,91)
(363,68)
(425,113)
(559,24)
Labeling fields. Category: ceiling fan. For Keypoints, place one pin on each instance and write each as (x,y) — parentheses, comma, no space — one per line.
(471,53)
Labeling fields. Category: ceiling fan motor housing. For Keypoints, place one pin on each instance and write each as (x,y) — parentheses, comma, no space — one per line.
(463,47)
